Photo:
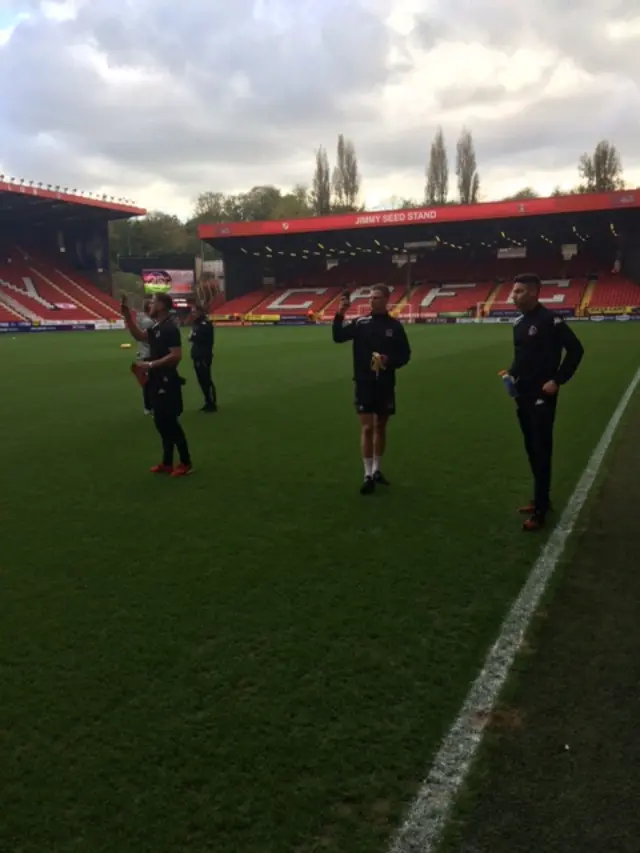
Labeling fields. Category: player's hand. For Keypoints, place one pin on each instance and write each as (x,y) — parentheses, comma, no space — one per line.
(124,303)
(377,362)
(343,307)
(550,388)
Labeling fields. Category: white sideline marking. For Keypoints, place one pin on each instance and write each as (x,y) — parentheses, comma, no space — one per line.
(427,816)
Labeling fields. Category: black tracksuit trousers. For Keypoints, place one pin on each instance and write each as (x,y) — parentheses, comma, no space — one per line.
(536,416)
(205,381)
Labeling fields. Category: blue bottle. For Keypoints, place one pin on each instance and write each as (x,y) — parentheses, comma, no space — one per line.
(509,385)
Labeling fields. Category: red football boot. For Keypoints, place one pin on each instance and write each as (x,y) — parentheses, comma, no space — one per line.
(530,509)
(182,470)
(533,524)
(161,469)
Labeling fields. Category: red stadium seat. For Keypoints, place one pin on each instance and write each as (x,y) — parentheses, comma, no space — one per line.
(429,300)
(83,291)
(298,301)
(438,289)
(241,305)
(46,291)
(556,294)
(7,315)
(613,291)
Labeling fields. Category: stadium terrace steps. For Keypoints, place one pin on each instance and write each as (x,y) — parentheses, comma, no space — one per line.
(296,300)
(40,279)
(433,299)
(615,291)
(491,298)
(39,296)
(360,298)
(86,294)
(64,276)
(586,297)
(241,304)
(15,305)
(397,309)
(87,286)
(329,310)
(429,270)
(77,288)
(216,304)
(9,313)
(556,292)
(36,290)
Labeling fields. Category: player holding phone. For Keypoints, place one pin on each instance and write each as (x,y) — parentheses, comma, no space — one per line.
(144,322)
(165,385)
(380,347)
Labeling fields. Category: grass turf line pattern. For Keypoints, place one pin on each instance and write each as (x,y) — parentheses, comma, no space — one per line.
(251,675)
(560,753)
(427,818)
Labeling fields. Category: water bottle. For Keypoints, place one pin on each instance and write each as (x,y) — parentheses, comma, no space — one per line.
(510,385)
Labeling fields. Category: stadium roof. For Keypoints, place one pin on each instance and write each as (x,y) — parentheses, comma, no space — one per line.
(398,226)
(20,201)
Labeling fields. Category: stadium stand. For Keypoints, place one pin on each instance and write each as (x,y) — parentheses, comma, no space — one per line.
(555,293)
(53,242)
(36,297)
(77,286)
(240,306)
(454,262)
(216,303)
(8,315)
(435,299)
(39,296)
(296,301)
(360,301)
(443,264)
(611,291)
(319,292)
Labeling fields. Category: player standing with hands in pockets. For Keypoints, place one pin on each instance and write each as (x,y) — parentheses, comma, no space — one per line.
(380,347)
(540,337)
(202,339)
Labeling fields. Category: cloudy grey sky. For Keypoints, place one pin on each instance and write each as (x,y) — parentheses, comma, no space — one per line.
(158,99)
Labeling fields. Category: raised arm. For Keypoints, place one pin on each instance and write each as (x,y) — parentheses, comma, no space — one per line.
(341,331)
(134,330)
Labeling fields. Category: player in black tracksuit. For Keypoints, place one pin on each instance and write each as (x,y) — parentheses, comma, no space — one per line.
(380,347)
(538,370)
(202,338)
(164,381)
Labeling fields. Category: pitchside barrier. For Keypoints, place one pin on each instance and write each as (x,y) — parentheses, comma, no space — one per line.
(592,318)
(432,319)
(503,317)
(100,326)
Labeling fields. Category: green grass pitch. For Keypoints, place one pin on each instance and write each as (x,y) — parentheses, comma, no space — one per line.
(255,658)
